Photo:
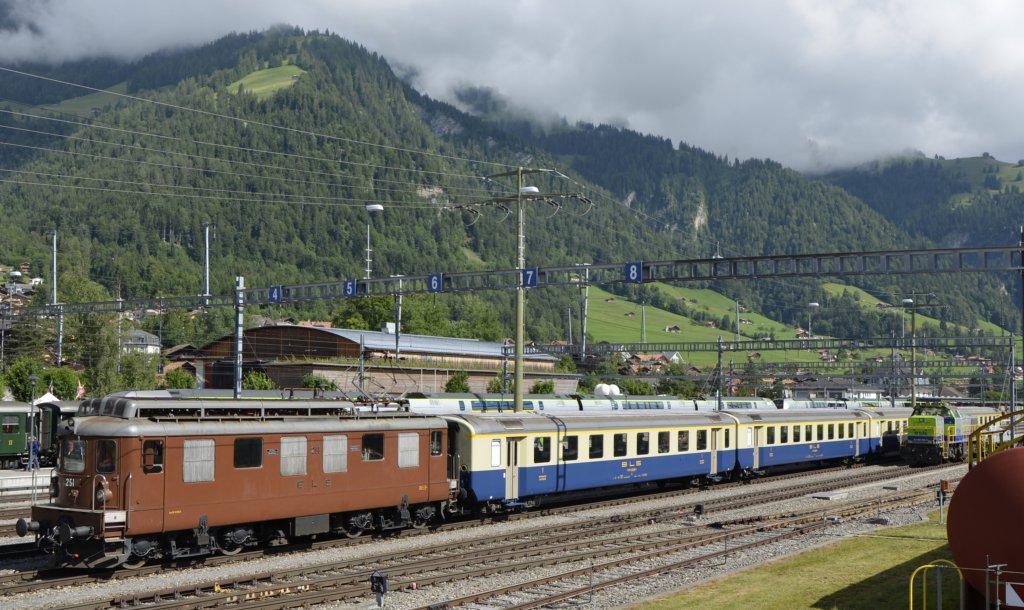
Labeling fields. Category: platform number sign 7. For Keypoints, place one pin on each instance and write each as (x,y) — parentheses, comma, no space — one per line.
(350,288)
(530,277)
(435,283)
(634,272)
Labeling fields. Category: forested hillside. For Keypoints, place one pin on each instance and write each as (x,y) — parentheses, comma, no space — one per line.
(284,179)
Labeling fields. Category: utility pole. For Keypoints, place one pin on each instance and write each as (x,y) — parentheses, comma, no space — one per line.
(206,260)
(586,297)
(53,301)
(239,331)
(398,316)
(522,193)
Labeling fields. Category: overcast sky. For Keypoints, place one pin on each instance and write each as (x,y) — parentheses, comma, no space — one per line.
(809,83)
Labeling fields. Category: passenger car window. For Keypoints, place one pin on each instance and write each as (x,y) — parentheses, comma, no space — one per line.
(619,444)
(663,442)
(596,449)
(643,443)
(570,448)
(541,449)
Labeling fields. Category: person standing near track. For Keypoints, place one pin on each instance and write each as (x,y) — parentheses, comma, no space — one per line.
(33,455)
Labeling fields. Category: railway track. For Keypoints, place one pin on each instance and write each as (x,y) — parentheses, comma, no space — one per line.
(623,536)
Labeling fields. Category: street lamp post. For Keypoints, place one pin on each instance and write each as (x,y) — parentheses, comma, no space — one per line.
(371,209)
(810,313)
(913,351)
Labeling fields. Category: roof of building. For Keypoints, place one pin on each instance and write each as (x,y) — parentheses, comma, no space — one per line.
(423,344)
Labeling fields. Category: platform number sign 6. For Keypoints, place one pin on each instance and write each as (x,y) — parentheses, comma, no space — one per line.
(435,283)
(634,272)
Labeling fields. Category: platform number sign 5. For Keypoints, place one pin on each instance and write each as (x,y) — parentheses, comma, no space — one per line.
(634,272)
(350,288)
(530,277)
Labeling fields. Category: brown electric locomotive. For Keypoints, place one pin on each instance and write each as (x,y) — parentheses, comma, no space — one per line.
(148,479)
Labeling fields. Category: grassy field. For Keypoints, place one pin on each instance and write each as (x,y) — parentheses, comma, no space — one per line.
(864,573)
(83,106)
(263,83)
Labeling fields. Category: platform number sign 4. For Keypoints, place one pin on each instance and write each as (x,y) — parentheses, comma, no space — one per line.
(634,272)
(275,294)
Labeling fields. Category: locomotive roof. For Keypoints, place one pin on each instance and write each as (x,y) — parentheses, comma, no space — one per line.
(105,426)
(129,408)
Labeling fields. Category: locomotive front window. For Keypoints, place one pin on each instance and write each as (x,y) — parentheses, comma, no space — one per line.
(73,454)
(248,452)
(10,424)
(106,456)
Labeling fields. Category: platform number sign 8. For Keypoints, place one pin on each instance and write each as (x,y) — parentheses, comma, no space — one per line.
(530,278)
(634,272)
(435,283)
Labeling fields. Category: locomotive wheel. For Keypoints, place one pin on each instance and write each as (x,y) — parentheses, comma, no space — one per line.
(134,562)
(419,522)
(353,532)
(230,551)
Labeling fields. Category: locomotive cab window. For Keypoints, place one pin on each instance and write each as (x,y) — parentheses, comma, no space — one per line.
(106,456)
(152,456)
(248,452)
(435,443)
(73,455)
(542,450)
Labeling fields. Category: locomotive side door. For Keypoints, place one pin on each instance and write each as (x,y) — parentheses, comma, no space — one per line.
(513,447)
(144,490)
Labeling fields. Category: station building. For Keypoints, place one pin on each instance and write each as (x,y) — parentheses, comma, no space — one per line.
(378,362)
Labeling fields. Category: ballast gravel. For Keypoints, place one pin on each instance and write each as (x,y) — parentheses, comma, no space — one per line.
(619,597)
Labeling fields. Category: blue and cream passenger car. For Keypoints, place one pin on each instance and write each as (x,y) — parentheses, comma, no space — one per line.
(519,458)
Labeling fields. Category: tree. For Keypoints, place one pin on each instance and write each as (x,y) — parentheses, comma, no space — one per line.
(17,378)
(543,387)
(636,387)
(138,372)
(63,381)
(497,386)
(458,383)
(257,380)
(319,382)
(180,379)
